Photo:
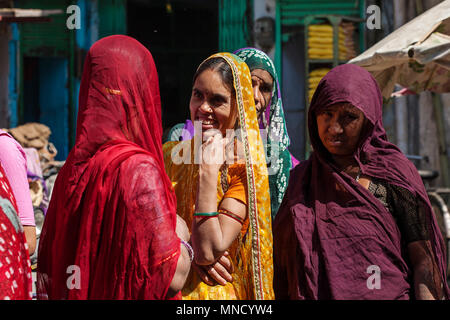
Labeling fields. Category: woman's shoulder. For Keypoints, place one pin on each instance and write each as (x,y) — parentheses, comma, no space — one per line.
(169,145)
(140,173)
(300,170)
(140,166)
(139,162)
(177,152)
(236,168)
(12,155)
(9,144)
(299,180)
(7,138)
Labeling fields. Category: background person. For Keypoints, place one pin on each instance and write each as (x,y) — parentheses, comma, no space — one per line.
(269,108)
(15,271)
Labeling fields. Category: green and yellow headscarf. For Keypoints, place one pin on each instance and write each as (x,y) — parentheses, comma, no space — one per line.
(275,124)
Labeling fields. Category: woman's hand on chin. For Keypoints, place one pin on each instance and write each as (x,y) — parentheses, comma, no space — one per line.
(213,153)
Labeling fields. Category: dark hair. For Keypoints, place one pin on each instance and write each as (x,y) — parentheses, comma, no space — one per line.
(220,65)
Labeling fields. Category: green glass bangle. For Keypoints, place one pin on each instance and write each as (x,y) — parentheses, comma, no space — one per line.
(206,214)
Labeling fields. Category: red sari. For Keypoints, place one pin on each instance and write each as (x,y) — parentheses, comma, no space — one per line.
(15,271)
(109,232)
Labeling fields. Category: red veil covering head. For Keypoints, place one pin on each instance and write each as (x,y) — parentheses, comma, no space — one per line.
(109,232)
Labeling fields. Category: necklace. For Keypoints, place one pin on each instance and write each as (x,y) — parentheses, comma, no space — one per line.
(358,175)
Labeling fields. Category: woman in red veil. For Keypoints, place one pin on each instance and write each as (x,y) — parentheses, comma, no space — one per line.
(111,231)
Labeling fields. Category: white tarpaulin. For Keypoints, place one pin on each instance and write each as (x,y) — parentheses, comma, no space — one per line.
(415,56)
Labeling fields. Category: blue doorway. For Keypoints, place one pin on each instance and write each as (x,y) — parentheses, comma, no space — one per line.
(46,98)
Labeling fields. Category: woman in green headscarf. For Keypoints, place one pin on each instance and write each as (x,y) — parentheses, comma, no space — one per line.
(269,108)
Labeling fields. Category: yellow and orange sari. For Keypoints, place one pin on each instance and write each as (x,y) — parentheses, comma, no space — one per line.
(251,252)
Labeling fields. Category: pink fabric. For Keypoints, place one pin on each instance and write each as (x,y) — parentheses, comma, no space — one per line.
(13,160)
(295,162)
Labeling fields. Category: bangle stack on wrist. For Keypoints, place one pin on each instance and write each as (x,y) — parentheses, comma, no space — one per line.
(189,249)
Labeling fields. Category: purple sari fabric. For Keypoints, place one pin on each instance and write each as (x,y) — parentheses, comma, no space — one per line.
(330,233)
(188,130)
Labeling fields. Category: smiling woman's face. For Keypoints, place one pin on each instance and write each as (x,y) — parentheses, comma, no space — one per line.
(212,102)
(339,127)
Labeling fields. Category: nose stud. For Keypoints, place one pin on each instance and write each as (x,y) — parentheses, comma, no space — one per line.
(206,108)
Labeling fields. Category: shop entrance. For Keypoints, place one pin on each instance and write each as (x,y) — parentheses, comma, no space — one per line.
(180,34)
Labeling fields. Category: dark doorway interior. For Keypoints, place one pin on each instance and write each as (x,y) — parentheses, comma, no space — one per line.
(180,34)
(46,98)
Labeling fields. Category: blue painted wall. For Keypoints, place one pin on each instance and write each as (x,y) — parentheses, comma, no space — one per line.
(50,88)
(54,101)
(84,39)
(12,77)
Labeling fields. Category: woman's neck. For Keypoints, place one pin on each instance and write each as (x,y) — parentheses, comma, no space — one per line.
(345,163)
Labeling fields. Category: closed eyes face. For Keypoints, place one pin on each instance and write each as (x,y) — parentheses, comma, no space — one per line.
(212,102)
(262,83)
(339,127)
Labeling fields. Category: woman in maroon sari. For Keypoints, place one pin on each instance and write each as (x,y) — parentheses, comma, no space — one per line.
(356,222)
(111,231)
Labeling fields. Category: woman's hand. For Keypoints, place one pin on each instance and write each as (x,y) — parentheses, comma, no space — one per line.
(213,153)
(218,272)
(427,277)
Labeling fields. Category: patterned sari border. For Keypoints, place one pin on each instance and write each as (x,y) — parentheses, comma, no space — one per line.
(253,211)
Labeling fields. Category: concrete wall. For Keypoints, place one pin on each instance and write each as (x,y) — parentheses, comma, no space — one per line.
(264,8)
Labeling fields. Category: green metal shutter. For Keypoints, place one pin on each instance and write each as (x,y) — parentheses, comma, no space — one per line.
(112,17)
(54,44)
(293,13)
(49,39)
(234,17)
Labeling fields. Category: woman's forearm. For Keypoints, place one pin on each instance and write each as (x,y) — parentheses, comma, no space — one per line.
(207,192)
(30,236)
(181,273)
(207,238)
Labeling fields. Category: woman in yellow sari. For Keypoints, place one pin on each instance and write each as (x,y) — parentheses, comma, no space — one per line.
(225,201)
